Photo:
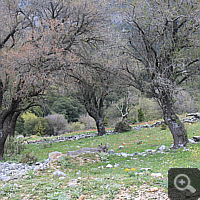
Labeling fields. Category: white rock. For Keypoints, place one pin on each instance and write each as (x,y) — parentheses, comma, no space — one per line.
(155,175)
(109,166)
(58,173)
(191,141)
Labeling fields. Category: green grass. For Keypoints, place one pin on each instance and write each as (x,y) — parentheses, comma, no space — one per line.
(104,183)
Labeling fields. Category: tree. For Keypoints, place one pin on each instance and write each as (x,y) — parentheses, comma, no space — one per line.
(69,107)
(141,116)
(162,52)
(35,60)
(124,106)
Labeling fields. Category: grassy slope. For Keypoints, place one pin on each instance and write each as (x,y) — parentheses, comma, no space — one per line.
(104,182)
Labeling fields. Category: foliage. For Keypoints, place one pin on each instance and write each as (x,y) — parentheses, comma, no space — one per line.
(164,126)
(88,121)
(59,123)
(29,158)
(141,117)
(28,116)
(76,126)
(20,125)
(105,121)
(40,126)
(14,145)
(68,107)
(134,121)
(122,126)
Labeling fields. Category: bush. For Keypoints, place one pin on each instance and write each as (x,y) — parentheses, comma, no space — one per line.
(122,126)
(29,158)
(38,126)
(14,146)
(59,123)
(134,121)
(105,121)
(88,121)
(141,117)
(76,126)
(164,126)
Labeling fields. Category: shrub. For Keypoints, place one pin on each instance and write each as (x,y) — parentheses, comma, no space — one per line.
(164,126)
(14,145)
(141,117)
(76,126)
(134,121)
(29,158)
(38,126)
(105,121)
(88,121)
(59,123)
(122,126)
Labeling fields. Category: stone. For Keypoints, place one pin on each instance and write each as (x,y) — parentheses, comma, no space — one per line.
(111,151)
(154,189)
(82,197)
(156,175)
(191,141)
(58,173)
(5,178)
(109,166)
(54,155)
(124,154)
(196,138)
(162,148)
(150,151)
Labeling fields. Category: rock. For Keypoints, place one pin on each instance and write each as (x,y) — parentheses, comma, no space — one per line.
(109,166)
(156,175)
(58,173)
(82,197)
(150,151)
(111,151)
(54,155)
(196,138)
(191,141)
(154,189)
(196,115)
(5,178)
(162,148)
(124,154)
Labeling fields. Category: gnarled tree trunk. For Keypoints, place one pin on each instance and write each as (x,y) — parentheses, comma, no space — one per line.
(100,125)
(176,127)
(6,130)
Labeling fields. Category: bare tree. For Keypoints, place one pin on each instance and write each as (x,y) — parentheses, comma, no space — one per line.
(161,52)
(124,106)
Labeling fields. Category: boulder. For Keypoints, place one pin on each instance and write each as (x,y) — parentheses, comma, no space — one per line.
(58,173)
(55,155)
(191,141)
(196,138)
(101,148)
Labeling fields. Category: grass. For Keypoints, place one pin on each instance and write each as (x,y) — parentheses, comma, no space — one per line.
(104,183)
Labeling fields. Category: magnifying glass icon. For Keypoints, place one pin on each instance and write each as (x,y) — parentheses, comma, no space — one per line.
(185,184)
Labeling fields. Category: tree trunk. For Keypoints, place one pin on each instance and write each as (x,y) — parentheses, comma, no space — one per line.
(5,132)
(13,123)
(100,126)
(176,127)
